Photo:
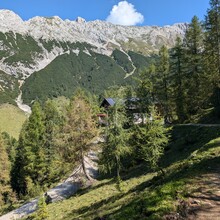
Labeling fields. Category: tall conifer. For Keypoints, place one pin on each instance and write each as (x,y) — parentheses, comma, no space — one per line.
(212,47)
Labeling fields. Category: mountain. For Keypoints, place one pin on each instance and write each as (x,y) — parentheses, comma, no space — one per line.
(48,56)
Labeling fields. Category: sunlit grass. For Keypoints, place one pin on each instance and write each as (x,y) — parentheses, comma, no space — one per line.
(11,119)
(148,196)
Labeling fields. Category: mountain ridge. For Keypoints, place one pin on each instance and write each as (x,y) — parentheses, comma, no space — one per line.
(80,29)
(103,36)
(28,47)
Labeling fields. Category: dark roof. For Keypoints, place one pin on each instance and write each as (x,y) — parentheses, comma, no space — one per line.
(110,101)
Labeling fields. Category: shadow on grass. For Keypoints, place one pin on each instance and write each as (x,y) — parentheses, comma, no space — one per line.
(93,187)
(137,204)
(186,140)
(148,206)
(94,210)
(206,147)
(145,205)
(134,172)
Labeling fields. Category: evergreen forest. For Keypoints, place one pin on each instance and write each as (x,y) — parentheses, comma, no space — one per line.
(153,134)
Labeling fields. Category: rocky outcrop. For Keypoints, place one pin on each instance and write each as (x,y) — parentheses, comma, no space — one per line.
(104,37)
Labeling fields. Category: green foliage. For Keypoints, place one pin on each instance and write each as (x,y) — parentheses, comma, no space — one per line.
(68,72)
(11,144)
(7,196)
(78,131)
(196,89)
(212,49)
(8,88)
(179,80)
(145,90)
(116,145)
(149,141)
(41,213)
(53,121)
(118,92)
(24,48)
(38,162)
(141,61)
(122,60)
(29,167)
(163,83)
(144,197)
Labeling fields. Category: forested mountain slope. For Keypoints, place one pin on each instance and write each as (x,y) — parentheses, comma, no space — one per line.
(93,54)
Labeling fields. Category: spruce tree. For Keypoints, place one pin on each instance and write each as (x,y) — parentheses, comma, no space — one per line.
(178,71)
(212,48)
(29,169)
(163,83)
(6,194)
(145,91)
(52,122)
(195,80)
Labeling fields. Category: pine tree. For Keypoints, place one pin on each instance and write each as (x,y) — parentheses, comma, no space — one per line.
(177,69)
(163,83)
(52,123)
(212,48)
(6,194)
(116,145)
(29,169)
(196,88)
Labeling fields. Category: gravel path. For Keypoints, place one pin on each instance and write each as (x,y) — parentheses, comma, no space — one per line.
(62,191)
(204,203)
(204,200)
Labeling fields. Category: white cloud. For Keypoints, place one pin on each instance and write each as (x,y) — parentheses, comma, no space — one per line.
(125,14)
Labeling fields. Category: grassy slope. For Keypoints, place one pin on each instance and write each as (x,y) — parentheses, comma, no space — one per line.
(193,151)
(11,119)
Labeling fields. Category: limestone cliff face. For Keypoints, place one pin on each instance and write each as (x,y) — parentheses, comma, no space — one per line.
(29,46)
(52,56)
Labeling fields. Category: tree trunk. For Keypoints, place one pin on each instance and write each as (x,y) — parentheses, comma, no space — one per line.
(117,168)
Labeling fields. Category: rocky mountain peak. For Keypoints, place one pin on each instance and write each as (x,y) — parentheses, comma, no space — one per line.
(80,20)
(9,21)
(9,15)
(97,33)
(48,35)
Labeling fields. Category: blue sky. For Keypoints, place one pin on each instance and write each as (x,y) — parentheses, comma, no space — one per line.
(130,12)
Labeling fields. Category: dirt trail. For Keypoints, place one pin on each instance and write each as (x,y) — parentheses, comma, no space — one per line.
(204,202)
(63,190)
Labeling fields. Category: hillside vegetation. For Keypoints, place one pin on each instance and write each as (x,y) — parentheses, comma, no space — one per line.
(11,119)
(152,158)
(193,152)
(67,72)
(8,88)
(94,72)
